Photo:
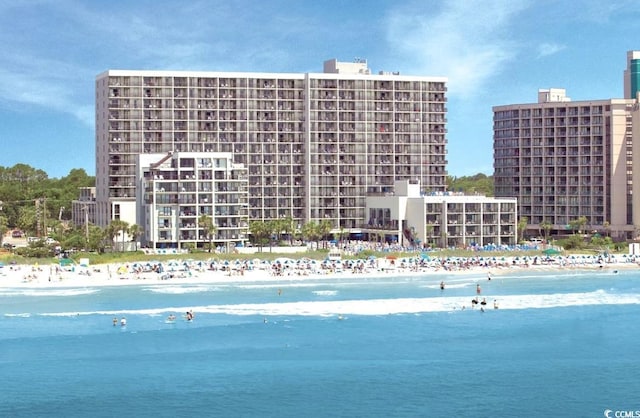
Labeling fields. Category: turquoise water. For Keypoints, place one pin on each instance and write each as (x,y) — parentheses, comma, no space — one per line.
(560,345)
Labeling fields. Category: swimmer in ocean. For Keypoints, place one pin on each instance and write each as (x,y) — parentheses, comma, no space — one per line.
(442,285)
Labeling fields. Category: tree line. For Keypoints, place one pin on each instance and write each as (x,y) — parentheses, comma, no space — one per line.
(30,198)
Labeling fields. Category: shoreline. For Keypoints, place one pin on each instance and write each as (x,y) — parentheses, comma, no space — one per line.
(290,270)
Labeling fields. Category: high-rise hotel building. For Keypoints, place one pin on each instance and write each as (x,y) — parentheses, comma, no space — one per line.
(314,144)
(564,160)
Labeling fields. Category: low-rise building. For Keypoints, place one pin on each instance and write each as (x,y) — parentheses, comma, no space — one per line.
(178,188)
(441,219)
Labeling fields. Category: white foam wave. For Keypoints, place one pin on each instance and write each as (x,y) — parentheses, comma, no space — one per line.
(179,290)
(325,292)
(386,306)
(422,305)
(54,292)
(18,315)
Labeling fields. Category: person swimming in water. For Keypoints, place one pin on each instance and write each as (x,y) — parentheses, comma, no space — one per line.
(484,302)
(123,322)
(171,318)
(478,289)
(442,285)
(495,304)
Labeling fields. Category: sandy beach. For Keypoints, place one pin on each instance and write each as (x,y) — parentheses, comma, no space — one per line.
(292,269)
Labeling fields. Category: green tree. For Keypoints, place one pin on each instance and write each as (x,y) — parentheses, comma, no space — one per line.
(311,232)
(3,227)
(577,225)
(259,233)
(288,228)
(135,231)
(96,238)
(324,227)
(117,228)
(478,183)
(272,228)
(205,222)
(522,226)
(546,228)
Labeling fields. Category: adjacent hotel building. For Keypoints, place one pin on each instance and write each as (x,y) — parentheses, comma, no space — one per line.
(443,219)
(564,159)
(314,145)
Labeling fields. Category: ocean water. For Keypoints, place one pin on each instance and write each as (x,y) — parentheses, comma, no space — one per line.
(561,344)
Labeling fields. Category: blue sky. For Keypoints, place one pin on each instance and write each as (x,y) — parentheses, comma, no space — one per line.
(493,52)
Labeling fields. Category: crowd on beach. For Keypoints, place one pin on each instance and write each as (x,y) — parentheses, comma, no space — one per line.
(257,269)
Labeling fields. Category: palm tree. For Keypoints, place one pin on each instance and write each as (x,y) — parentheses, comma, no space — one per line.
(135,231)
(288,228)
(522,226)
(324,227)
(123,229)
(546,227)
(205,222)
(259,232)
(310,232)
(272,228)
(578,224)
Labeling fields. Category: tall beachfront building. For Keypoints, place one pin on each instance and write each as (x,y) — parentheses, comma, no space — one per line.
(563,160)
(314,144)
(632,75)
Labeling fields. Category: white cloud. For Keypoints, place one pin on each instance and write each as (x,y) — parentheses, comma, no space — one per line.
(466,41)
(546,49)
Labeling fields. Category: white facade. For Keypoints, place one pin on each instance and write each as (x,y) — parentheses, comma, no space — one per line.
(314,144)
(442,219)
(178,189)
